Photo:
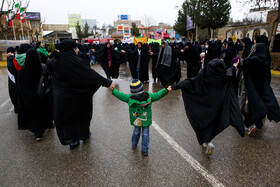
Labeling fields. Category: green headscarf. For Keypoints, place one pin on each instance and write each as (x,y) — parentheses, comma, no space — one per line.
(43,51)
(20,58)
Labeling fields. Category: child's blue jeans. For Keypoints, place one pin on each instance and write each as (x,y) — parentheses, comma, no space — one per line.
(145,137)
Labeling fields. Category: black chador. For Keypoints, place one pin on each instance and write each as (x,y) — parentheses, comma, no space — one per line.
(168,65)
(74,84)
(34,113)
(261,99)
(139,63)
(12,72)
(192,57)
(210,101)
(109,60)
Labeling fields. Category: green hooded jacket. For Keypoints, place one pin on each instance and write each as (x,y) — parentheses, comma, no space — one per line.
(20,58)
(140,112)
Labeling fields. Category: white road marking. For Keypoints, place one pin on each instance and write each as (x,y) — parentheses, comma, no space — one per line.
(195,164)
(4,103)
(11,109)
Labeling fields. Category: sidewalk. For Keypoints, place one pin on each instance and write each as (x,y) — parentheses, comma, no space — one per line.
(3,64)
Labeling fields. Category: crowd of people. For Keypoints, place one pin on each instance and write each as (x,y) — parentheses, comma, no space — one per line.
(228,84)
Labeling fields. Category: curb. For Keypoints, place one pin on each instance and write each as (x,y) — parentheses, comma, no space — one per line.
(3,64)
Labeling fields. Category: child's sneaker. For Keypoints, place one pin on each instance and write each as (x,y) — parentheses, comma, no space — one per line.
(144,153)
(209,148)
(204,145)
(252,129)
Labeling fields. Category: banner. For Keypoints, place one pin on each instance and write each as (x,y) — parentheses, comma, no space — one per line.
(73,19)
(4,44)
(189,23)
(158,32)
(128,41)
(137,40)
(154,41)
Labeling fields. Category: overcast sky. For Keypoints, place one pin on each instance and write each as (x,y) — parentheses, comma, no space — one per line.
(106,11)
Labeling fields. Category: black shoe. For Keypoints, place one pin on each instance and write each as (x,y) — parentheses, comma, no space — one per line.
(144,153)
(39,136)
(134,147)
(74,144)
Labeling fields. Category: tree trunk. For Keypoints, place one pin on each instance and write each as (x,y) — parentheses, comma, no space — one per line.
(209,33)
(275,29)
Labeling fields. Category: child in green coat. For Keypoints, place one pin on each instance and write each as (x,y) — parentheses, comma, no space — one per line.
(140,111)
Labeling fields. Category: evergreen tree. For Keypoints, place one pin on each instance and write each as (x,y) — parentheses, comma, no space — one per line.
(134,30)
(210,14)
(79,31)
(180,25)
(86,31)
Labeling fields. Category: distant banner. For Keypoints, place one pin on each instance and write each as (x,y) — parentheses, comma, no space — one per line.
(137,40)
(154,41)
(73,19)
(189,23)
(128,41)
(4,44)
(158,32)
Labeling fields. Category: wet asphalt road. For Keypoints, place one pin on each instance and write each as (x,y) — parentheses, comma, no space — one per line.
(108,160)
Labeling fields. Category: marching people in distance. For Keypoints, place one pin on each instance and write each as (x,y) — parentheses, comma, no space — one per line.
(12,74)
(211,103)
(74,84)
(140,111)
(139,63)
(192,57)
(34,112)
(258,100)
(109,60)
(168,65)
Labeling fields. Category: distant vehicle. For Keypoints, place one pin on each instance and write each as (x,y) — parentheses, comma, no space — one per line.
(98,41)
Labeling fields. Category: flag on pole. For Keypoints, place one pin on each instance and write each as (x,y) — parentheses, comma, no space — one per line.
(22,17)
(17,8)
(21,9)
(11,23)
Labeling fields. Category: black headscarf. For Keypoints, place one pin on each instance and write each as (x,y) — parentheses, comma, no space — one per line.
(23,48)
(11,50)
(210,102)
(248,45)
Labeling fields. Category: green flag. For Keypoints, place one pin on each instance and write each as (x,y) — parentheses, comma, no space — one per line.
(21,9)
(16,5)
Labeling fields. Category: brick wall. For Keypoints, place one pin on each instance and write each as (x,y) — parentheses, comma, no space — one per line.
(271,16)
(275,61)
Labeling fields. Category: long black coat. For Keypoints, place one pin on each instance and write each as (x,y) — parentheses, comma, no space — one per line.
(144,64)
(210,102)
(74,84)
(34,113)
(261,99)
(102,58)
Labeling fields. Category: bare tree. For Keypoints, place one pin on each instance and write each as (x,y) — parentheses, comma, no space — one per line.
(5,19)
(148,20)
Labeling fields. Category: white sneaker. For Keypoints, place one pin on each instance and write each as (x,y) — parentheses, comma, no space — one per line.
(204,145)
(209,148)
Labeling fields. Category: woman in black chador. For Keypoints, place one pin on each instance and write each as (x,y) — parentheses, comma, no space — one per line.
(109,60)
(34,113)
(211,103)
(139,63)
(192,57)
(168,65)
(261,101)
(74,84)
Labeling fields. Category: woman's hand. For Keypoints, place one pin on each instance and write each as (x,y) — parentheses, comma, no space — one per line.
(112,86)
